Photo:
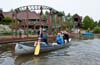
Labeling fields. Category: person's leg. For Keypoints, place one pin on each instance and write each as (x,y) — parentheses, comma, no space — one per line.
(45,40)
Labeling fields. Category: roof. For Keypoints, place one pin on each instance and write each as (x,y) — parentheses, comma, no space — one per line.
(29,15)
(23,15)
(7,14)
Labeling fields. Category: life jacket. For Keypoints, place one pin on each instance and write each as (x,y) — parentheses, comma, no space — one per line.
(60,39)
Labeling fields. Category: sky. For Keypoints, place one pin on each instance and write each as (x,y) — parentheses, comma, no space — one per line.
(81,7)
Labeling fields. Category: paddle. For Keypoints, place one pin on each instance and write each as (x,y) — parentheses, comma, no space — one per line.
(37,48)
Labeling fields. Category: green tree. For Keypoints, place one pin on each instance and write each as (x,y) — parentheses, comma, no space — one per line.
(45,15)
(60,17)
(99,23)
(88,23)
(14,25)
(95,23)
(6,21)
(96,29)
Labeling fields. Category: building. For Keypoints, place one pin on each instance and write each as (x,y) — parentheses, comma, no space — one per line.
(27,18)
(77,21)
(1,15)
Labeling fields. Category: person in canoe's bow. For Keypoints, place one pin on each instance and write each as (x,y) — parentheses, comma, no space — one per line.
(59,39)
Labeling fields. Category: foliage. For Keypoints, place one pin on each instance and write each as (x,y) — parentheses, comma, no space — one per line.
(67,18)
(5,33)
(60,17)
(95,23)
(64,25)
(96,29)
(45,16)
(6,21)
(70,24)
(14,25)
(99,23)
(30,32)
(88,23)
(60,14)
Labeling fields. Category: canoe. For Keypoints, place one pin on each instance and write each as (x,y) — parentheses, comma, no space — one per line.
(23,48)
(88,34)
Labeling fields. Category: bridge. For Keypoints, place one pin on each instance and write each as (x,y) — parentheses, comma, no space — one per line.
(35,7)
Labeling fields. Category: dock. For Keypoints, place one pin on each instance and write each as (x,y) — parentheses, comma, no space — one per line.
(13,40)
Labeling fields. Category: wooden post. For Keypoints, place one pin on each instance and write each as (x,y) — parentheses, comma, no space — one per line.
(27,16)
(41,16)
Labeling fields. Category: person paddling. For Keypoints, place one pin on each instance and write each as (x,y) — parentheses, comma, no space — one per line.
(44,36)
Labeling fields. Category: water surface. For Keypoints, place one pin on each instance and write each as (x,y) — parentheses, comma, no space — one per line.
(81,52)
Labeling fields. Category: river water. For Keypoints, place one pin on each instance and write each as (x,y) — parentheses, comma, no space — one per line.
(81,52)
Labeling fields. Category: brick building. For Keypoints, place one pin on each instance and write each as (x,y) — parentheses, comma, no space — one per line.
(77,21)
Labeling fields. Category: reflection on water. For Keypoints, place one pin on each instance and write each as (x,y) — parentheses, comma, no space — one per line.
(81,52)
(22,59)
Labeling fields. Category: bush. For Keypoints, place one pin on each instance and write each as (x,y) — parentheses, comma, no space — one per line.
(6,21)
(5,33)
(96,29)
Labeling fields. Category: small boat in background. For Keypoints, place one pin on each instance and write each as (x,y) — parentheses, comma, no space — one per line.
(88,34)
(23,48)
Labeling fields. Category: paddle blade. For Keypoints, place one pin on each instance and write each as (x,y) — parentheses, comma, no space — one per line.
(37,49)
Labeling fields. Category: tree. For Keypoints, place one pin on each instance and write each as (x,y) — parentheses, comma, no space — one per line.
(88,23)
(14,25)
(60,17)
(95,23)
(96,29)
(6,21)
(99,23)
(45,16)
(70,21)
(68,17)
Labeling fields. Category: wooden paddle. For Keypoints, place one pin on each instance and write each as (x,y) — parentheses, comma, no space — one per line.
(37,48)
